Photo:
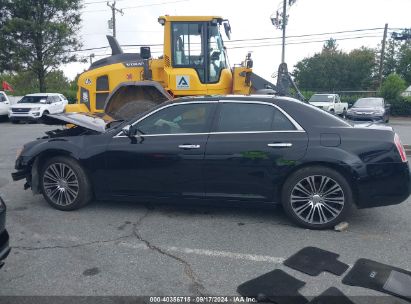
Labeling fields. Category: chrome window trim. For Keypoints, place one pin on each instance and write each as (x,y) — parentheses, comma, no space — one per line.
(292,120)
(298,127)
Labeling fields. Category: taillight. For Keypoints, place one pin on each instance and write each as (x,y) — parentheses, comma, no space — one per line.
(400,148)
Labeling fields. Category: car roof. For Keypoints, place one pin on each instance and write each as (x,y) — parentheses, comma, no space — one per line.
(254,97)
(326,94)
(43,94)
(370,98)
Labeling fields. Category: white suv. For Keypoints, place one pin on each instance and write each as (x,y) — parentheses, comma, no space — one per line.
(33,106)
(4,104)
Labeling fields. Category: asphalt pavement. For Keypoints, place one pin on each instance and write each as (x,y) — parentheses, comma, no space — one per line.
(111,248)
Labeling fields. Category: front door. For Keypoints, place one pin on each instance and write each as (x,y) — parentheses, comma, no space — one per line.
(166,158)
(251,147)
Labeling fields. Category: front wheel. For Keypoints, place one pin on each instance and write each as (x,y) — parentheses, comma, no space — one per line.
(317,197)
(64,184)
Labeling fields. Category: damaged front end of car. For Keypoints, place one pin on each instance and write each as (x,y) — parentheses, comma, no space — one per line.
(31,155)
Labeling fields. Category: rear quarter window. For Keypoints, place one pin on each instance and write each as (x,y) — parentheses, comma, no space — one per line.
(309,115)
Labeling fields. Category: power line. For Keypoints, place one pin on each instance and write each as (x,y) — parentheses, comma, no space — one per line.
(139,6)
(308,35)
(300,42)
(232,47)
(96,2)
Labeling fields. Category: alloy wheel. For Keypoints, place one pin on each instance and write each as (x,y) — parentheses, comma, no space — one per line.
(60,184)
(317,199)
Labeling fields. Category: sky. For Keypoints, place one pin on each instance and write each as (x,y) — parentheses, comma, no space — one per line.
(249,20)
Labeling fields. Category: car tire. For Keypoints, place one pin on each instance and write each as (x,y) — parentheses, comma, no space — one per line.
(314,208)
(64,184)
(14,121)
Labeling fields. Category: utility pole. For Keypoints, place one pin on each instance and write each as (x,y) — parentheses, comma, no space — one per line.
(114,10)
(382,54)
(284,24)
(92,55)
(280,20)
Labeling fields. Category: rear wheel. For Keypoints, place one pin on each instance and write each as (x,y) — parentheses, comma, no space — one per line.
(317,197)
(64,184)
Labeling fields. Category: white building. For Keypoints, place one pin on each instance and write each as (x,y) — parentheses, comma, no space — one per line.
(407,92)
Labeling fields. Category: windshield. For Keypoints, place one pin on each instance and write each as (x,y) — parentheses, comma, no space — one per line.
(368,103)
(33,99)
(321,98)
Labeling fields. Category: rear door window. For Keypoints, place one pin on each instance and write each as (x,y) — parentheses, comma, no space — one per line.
(249,117)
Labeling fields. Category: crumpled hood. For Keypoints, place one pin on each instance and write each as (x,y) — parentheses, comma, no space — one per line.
(85,120)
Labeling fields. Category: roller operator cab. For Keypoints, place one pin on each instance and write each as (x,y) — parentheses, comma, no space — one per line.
(194,62)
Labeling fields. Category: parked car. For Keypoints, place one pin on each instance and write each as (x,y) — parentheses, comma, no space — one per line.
(4,104)
(329,102)
(32,107)
(370,108)
(4,236)
(251,149)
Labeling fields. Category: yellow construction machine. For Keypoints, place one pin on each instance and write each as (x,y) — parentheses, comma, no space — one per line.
(194,62)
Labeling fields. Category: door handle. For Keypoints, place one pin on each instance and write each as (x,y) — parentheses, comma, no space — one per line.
(189,147)
(280,145)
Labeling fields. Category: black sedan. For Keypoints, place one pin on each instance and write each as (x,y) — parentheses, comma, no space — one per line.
(252,149)
(370,108)
(4,236)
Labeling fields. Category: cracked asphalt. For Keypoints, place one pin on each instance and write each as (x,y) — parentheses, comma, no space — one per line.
(131,249)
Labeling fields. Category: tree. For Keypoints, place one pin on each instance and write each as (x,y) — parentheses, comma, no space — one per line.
(330,46)
(392,87)
(390,57)
(26,82)
(404,61)
(333,69)
(397,59)
(38,36)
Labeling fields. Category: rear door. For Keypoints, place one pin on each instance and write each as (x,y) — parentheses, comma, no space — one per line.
(251,147)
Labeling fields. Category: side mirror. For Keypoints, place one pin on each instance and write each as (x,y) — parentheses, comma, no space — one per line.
(145,52)
(227,29)
(128,131)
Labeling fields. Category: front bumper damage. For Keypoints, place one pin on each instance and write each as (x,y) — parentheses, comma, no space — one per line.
(30,173)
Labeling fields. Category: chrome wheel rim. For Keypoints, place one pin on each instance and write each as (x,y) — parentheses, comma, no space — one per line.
(317,199)
(60,184)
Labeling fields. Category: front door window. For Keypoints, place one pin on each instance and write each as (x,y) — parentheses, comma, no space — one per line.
(178,119)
